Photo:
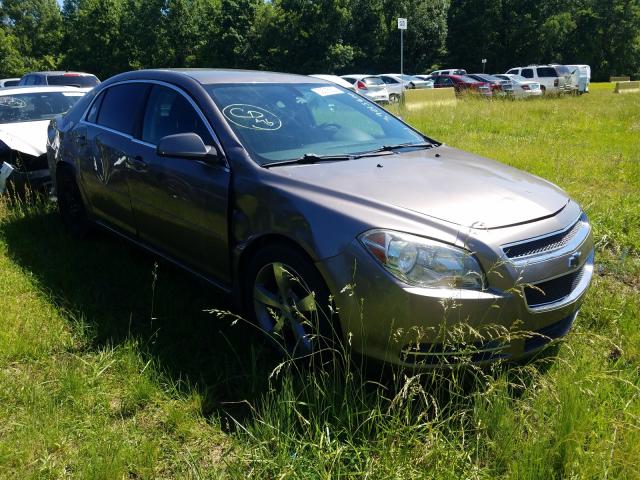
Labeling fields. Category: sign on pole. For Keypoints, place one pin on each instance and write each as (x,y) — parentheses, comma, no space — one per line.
(402,26)
(484,62)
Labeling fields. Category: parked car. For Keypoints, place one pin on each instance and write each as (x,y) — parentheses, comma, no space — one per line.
(498,85)
(410,81)
(85,81)
(370,86)
(9,82)
(335,79)
(549,77)
(463,84)
(449,71)
(581,77)
(520,86)
(25,113)
(284,192)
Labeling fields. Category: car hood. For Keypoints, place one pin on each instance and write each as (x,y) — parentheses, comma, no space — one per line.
(455,186)
(26,137)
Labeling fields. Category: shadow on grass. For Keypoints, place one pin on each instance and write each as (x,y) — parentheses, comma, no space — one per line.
(121,292)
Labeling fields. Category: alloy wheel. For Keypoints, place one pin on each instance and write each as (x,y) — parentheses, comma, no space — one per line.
(285,307)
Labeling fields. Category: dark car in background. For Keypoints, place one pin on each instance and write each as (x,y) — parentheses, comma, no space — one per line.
(463,84)
(324,215)
(82,80)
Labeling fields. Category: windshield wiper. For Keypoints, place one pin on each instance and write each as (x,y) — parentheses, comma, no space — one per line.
(399,146)
(309,158)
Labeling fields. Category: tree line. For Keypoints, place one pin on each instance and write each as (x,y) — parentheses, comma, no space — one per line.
(105,37)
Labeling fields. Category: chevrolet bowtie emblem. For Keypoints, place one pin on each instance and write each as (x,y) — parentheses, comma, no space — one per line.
(574,260)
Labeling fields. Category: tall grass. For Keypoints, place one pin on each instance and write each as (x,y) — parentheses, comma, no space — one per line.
(110,367)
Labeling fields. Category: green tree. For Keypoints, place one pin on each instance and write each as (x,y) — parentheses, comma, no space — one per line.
(93,36)
(34,28)
(11,63)
(307,36)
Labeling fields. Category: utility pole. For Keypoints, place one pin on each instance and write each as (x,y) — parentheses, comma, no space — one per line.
(402,26)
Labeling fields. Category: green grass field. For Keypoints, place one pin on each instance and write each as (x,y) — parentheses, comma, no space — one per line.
(111,367)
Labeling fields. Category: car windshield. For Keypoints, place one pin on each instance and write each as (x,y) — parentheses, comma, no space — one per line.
(73,80)
(31,107)
(283,122)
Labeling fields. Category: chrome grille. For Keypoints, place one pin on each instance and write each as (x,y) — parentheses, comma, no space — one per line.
(545,244)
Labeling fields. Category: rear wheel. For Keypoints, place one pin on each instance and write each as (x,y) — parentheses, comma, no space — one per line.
(289,301)
(70,205)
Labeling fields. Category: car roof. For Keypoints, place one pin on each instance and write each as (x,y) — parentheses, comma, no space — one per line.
(359,76)
(58,72)
(40,89)
(207,76)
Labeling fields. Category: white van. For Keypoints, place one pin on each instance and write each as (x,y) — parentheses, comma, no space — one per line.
(581,77)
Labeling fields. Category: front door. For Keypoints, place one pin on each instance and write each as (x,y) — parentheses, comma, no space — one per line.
(180,205)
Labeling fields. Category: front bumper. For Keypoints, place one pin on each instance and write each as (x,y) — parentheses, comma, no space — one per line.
(20,182)
(421,327)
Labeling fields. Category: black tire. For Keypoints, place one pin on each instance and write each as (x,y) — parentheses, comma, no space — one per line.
(287,298)
(71,206)
(394,98)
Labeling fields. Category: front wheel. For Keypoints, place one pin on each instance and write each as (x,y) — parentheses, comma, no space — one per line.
(70,205)
(289,301)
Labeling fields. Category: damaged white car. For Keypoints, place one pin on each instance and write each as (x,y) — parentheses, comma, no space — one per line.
(25,113)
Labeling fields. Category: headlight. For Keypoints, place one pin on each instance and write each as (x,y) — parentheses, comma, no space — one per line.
(422,262)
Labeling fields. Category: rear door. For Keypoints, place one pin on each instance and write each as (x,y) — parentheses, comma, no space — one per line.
(180,204)
(106,138)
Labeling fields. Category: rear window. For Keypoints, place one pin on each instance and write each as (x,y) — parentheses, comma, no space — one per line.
(547,72)
(373,81)
(73,80)
(11,83)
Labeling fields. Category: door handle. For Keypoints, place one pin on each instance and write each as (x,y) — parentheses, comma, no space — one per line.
(137,163)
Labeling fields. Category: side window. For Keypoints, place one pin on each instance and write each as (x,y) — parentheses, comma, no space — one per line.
(167,113)
(92,116)
(28,80)
(527,72)
(547,72)
(120,106)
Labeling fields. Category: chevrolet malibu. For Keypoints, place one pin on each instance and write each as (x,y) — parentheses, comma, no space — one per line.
(324,215)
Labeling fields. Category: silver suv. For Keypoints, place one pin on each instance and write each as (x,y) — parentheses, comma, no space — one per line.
(551,78)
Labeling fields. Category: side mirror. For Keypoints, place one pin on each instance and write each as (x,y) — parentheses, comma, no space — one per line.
(186,145)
